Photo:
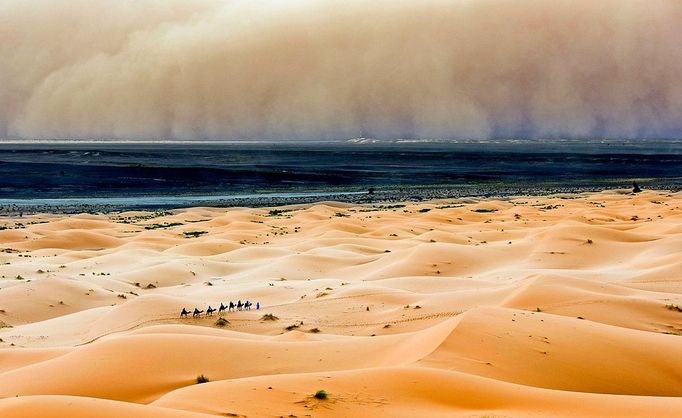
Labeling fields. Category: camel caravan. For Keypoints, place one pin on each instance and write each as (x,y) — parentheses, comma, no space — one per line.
(239,306)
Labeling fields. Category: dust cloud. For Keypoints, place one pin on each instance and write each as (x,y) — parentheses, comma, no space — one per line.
(314,69)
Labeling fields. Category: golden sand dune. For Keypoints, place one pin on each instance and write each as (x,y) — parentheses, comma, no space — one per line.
(567,305)
(402,392)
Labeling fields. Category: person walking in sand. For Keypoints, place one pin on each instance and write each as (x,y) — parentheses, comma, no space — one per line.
(257,306)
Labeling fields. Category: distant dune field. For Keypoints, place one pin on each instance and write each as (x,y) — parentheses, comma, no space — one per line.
(562,306)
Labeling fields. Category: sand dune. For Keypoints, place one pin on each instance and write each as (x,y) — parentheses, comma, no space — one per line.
(403,392)
(550,351)
(533,306)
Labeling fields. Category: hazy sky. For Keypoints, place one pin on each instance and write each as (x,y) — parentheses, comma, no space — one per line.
(311,69)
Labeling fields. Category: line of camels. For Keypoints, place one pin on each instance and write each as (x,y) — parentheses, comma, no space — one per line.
(239,306)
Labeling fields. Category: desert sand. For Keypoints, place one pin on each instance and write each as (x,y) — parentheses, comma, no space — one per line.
(563,306)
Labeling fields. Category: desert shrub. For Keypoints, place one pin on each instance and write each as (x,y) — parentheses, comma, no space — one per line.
(291,327)
(163,225)
(194,234)
(314,330)
(484,210)
(221,322)
(202,379)
(673,308)
(269,317)
(278,212)
(321,394)
(424,210)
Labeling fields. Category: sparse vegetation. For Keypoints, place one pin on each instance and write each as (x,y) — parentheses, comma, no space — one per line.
(16,226)
(221,322)
(321,395)
(341,215)
(202,379)
(292,327)
(19,277)
(424,210)
(278,212)
(314,330)
(163,225)
(538,310)
(672,307)
(194,234)
(379,208)
(589,241)
(133,219)
(484,210)
(269,317)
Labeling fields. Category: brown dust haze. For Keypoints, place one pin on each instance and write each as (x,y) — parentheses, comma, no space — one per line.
(314,69)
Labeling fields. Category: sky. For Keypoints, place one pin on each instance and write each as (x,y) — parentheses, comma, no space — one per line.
(328,69)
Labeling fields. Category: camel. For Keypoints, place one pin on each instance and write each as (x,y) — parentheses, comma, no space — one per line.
(247,305)
(197,313)
(209,311)
(239,305)
(184,313)
(222,308)
(231,307)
